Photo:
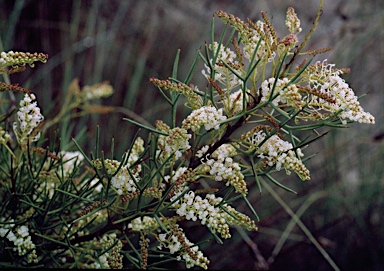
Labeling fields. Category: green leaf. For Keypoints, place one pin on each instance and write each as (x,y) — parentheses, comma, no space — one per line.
(146,127)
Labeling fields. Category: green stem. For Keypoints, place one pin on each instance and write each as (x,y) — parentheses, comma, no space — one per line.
(297,220)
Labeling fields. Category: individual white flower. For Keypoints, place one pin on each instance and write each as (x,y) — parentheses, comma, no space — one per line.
(3,232)
(23,231)
(200,153)
(11,237)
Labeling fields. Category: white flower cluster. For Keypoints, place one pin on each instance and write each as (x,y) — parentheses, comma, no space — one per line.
(347,101)
(251,40)
(234,103)
(175,174)
(123,182)
(207,116)
(225,150)
(283,94)
(99,186)
(222,74)
(189,252)
(329,82)
(49,178)
(71,160)
(207,210)
(194,207)
(280,153)
(112,259)
(292,21)
(29,117)
(145,223)
(21,239)
(102,263)
(225,169)
(80,228)
(137,149)
(47,186)
(202,151)
(4,136)
(177,142)
(267,87)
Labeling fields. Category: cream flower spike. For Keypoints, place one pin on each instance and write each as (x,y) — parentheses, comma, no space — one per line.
(29,117)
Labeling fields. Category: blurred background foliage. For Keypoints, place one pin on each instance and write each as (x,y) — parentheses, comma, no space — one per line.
(126,42)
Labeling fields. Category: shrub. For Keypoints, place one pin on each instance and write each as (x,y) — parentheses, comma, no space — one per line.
(263,105)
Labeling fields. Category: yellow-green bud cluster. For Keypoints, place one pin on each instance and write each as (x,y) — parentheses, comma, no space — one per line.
(20,58)
(97,91)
